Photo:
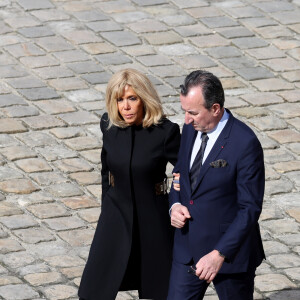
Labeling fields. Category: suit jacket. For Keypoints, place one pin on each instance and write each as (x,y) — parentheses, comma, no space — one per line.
(227,202)
(132,215)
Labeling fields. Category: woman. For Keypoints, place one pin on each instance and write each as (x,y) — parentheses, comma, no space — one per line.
(132,246)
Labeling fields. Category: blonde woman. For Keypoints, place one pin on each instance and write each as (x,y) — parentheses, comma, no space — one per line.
(132,246)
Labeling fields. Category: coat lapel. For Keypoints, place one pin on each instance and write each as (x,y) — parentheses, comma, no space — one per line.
(219,145)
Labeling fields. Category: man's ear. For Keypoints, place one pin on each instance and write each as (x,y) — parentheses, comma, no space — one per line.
(216,109)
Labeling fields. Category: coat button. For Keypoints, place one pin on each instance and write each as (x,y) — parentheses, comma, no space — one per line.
(191,202)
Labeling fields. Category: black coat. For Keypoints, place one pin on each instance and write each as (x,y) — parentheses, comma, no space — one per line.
(134,221)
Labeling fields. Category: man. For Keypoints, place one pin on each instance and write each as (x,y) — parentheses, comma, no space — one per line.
(216,211)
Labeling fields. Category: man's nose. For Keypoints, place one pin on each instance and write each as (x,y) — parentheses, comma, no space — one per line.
(187,119)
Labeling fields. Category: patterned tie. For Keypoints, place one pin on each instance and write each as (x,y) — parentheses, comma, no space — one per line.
(195,169)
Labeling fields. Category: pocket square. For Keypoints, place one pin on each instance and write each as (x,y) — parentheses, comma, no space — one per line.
(220,163)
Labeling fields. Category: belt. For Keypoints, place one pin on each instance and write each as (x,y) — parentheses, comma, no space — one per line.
(161,188)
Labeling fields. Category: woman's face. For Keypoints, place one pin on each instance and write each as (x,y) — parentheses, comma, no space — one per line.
(131,107)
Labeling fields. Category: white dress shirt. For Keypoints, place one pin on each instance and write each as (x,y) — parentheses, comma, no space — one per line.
(212,137)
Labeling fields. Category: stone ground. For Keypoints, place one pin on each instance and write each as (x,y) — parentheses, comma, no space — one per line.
(56,57)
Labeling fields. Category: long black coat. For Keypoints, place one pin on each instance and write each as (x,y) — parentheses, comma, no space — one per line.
(134,222)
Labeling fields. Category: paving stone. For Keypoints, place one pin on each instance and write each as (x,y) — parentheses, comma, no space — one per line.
(59,152)
(148,25)
(104,26)
(97,78)
(288,200)
(98,48)
(65,133)
(18,292)
(285,294)
(8,209)
(72,272)
(294,147)
(7,173)
(9,245)
(171,71)
(17,260)
(31,4)
(38,93)
(283,167)
(24,49)
(86,178)
(222,52)
(50,15)
(26,82)
(261,99)
(79,118)
(60,291)
(84,95)
(95,190)
(195,62)
(207,41)
(285,136)
(286,110)
(121,38)
(77,237)
(32,269)
(272,84)
(35,139)
(85,67)
(250,112)
(284,260)
(68,84)
(96,106)
(249,42)
(11,99)
(64,190)
(79,37)
(12,71)
(43,278)
(53,72)
(293,273)
(31,165)
(274,187)
(286,44)
(6,280)
(266,53)
(18,186)
(39,61)
(55,106)
(282,64)
(22,21)
(64,223)
(52,44)
(11,126)
(34,235)
(281,226)
(254,73)
(295,178)
(90,215)
(71,56)
(178,20)
(268,123)
(274,6)
(18,221)
(116,6)
(291,76)
(218,21)
(162,38)
(232,83)
(36,31)
(73,165)
(52,210)
(17,152)
(273,32)
(48,249)
(83,143)
(20,111)
(294,213)
(90,15)
(277,155)
(80,202)
(48,178)
(243,12)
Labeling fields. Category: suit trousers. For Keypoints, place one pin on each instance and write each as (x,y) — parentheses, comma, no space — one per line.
(187,286)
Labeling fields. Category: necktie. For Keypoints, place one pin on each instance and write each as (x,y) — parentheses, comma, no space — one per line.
(195,169)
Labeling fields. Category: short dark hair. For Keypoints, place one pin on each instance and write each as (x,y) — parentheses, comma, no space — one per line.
(211,85)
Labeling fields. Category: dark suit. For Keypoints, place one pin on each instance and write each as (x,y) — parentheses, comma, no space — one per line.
(227,202)
(132,246)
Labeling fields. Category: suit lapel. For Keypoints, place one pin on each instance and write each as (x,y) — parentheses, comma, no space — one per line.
(219,145)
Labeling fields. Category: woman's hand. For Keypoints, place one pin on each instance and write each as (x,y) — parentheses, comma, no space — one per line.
(176,184)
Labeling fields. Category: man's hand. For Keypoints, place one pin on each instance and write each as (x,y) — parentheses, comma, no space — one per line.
(179,215)
(209,265)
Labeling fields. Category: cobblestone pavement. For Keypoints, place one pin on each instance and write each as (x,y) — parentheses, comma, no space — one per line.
(56,57)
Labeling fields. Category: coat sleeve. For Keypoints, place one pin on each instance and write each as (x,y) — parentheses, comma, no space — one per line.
(104,169)
(250,182)
(172,143)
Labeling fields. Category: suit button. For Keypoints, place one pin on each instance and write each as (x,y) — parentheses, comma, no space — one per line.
(191,202)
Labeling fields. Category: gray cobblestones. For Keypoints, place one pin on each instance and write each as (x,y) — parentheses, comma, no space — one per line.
(56,58)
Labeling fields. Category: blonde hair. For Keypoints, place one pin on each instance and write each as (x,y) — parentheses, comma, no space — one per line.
(144,89)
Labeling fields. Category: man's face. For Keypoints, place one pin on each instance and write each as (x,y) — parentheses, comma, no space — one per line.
(196,113)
